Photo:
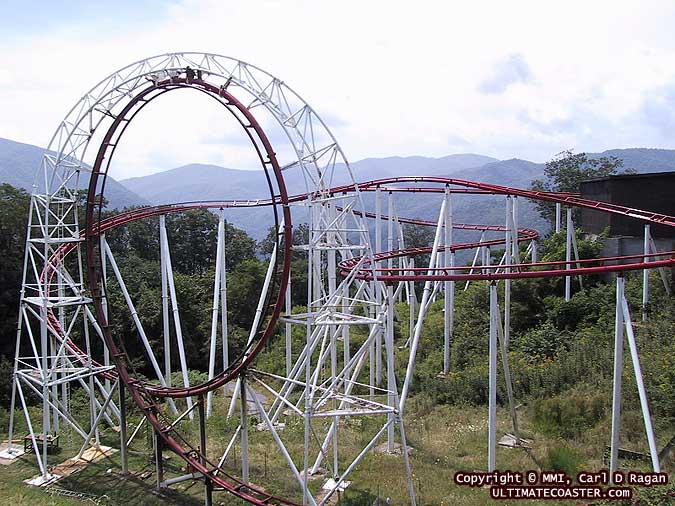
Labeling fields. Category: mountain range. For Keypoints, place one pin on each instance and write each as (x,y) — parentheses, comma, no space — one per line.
(18,164)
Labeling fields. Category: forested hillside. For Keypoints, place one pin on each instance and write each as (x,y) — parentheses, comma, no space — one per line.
(19,164)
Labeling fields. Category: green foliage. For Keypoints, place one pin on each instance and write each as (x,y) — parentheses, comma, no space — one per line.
(194,377)
(300,236)
(298,258)
(14,204)
(568,414)
(194,291)
(359,498)
(542,342)
(554,247)
(563,458)
(469,386)
(246,279)
(567,169)
(138,238)
(553,250)
(593,306)
(417,236)
(192,235)
(6,371)
(565,172)
(657,356)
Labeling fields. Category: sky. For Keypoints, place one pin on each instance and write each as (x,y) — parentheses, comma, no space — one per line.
(523,79)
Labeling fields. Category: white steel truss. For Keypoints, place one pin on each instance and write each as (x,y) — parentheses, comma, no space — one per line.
(333,375)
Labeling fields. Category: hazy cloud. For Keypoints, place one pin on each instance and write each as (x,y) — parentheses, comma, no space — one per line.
(512,70)
(659,110)
(400,80)
(457,142)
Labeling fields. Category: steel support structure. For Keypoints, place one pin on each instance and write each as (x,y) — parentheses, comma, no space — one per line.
(349,284)
(623,328)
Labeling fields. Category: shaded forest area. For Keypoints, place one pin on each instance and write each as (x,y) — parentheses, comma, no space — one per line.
(192,235)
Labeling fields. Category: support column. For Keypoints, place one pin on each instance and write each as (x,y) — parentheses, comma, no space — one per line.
(56,360)
(44,350)
(346,352)
(217,284)
(492,394)
(413,299)
(288,329)
(448,286)
(378,291)
(534,254)
(55,389)
(507,380)
(618,370)
(508,260)
(331,237)
(575,250)
(223,303)
(662,270)
(15,378)
(159,464)
(313,225)
(487,258)
(104,303)
(166,263)
(568,254)
(45,388)
(372,351)
(478,255)
(515,254)
(645,276)
(244,428)
(208,484)
(345,294)
(92,396)
(166,329)
(123,427)
(391,378)
(644,404)
(390,230)
(557,217)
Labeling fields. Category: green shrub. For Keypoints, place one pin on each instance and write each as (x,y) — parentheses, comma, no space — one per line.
(563,458)
(544,341)
(568,414)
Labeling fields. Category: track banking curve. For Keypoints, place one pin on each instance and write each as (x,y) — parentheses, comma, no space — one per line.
(523,270)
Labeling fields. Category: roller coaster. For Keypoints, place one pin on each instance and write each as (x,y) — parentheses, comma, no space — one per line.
(66,333)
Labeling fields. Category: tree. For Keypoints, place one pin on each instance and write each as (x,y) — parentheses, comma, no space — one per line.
(14,204)
(565,172)
(418,236)
(298,259)
(192,235)
(300,237)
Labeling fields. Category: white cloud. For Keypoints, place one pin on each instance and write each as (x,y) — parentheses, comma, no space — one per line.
(392,78)
(511,71)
